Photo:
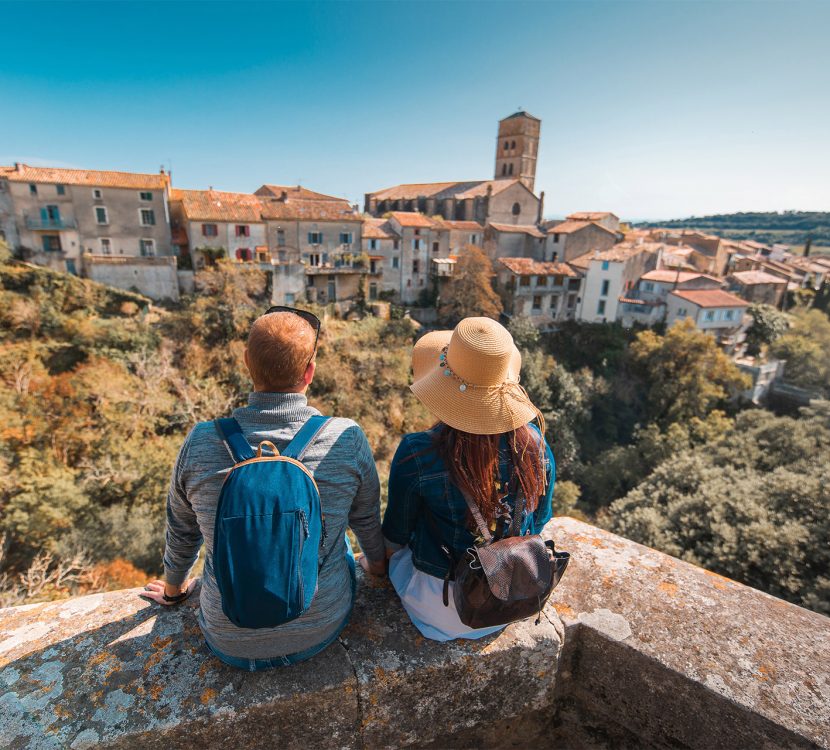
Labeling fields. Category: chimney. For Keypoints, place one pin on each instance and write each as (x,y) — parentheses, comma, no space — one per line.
(284,196)
(18,167)
(161,169)
(541,207)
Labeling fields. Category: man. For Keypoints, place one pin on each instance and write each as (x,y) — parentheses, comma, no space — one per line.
(280,357)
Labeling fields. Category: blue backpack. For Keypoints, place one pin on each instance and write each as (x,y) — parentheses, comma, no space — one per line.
(269,529)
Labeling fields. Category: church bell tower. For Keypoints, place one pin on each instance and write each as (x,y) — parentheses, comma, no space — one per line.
(517,147)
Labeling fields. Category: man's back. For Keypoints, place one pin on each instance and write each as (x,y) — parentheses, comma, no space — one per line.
(343,467)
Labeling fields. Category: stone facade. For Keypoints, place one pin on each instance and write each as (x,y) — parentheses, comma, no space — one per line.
(545,292)
(383,244)
(153,277)
(517,148)
(611,274)
(570,239)
(514,241)
(422,240)
(61,214)
(758,286)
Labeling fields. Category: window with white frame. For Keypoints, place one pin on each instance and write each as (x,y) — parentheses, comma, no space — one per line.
(373,244)
(417,244)
(147,247)
(709,316)
(681,312)
(243,230)
(605,285)
(101,215)
(97,194)
(395,262)
(728,314)
(148,217)
(473,239)
(601,307)
(145,196)
(106,246)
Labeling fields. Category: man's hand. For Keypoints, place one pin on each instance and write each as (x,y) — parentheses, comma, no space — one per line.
(373,567)
(156,591)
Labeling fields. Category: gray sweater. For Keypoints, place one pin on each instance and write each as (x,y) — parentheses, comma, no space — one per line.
(343,467)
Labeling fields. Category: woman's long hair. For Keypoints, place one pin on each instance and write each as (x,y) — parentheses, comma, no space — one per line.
(473,462)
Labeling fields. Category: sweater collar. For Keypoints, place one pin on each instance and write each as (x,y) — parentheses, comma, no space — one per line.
(288,407)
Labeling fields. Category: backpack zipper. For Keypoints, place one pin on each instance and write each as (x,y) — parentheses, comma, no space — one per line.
(303,537)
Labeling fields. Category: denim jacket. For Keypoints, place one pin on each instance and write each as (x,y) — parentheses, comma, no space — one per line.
(419,479)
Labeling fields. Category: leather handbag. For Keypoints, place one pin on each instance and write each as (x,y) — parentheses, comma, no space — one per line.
(505,580)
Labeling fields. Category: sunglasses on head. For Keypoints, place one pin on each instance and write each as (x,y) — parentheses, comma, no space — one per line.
(307,316)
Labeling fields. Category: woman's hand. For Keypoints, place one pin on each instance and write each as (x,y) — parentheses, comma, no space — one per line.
(157,590)
(373,567)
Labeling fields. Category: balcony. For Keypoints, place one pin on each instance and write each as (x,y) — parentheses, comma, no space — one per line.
(40,224)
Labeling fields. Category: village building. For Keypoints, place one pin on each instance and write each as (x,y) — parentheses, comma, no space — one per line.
(211,224)
(709,254)
(507,199)
(463,233)
(603,218)
(382,242)
(53,216)
(646,302)
(517,147)
(758,287)
(545,292)
(712,310)
(422,240)
(571,239)
(610,275)
(514,241)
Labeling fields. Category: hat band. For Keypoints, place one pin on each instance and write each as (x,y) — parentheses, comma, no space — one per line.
(463,385)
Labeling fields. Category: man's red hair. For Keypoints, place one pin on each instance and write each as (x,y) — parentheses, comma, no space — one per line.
(280,346)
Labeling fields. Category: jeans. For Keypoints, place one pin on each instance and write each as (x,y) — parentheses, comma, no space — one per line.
(256,665)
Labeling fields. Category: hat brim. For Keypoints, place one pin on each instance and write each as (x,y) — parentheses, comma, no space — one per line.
(427,349)
(477,410)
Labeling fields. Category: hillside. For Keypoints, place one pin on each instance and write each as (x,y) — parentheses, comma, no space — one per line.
(100,388)
(787,227)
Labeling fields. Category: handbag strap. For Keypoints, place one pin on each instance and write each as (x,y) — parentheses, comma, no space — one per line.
(483,528)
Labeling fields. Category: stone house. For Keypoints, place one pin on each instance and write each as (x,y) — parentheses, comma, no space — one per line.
(422,240)
(646,302)
(712,310)
(545,292)
(570,239)
(758,287)
(61,214)
(508,201)
(330,284)
(514,241)
(610,275)
(221,221)
(463,233)
(603,218)
(383,244)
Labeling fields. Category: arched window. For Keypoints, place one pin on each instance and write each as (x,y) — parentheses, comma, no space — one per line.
(506,145)
(504,169)
(517,209)
(512,144)
(510,170)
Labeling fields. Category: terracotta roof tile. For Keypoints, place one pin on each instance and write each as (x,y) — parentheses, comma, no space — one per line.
(414,219)
(530,267)
(295,192)
(461,226)
(568,227)
(618,253)
(682,277)
(93,178)
(441,190)
(378,229)
(216,205)
(748,278)
(518,229)
(709,297)
(274,209)
(591,215)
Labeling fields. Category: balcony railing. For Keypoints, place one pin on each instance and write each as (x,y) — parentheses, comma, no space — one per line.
(41,223)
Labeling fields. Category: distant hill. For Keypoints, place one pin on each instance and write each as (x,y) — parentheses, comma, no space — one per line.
(788,227)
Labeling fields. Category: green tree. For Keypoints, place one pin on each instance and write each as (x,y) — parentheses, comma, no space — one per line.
(470,291)
(806,347)
(686,373)
(768,324)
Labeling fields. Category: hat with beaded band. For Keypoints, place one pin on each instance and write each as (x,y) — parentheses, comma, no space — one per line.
(471,383)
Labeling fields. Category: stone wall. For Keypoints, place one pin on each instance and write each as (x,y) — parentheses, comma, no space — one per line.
(154,277)
(635,650)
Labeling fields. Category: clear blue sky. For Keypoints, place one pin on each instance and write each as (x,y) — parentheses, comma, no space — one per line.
(649,109)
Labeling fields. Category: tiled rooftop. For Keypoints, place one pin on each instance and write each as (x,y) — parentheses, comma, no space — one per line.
(570,226)
(709,297)
(749,278)
(93,178)
(378,229)
(217,205)
(441,190)
(295,192)
(530,267)
(518,229)
(591,215)
(414,219)
(678,277)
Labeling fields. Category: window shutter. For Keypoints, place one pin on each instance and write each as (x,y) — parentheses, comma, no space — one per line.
(309,238)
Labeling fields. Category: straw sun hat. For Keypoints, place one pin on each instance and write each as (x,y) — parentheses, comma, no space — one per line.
(469,378)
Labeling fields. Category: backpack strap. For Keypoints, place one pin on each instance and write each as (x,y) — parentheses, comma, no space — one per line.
(305,437)
(231,434)
(483,528)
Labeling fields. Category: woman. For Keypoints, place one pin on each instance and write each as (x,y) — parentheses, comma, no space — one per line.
(484,444)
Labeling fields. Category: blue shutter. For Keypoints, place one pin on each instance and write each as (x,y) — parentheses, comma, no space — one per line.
(309,238)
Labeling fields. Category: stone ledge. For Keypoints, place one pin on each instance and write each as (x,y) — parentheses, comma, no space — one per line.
(637,650)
